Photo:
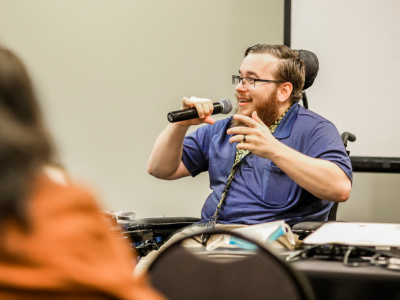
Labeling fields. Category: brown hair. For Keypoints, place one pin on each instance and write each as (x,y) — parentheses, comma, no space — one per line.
(291,67)
(25,145)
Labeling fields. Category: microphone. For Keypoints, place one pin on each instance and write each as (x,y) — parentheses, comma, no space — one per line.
(223,106)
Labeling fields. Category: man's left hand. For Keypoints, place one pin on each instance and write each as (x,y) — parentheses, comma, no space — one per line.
(256,138)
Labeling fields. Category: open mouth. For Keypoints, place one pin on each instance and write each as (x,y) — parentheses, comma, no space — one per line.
(243,102)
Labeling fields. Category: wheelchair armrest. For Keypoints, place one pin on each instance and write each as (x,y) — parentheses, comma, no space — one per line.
(161,222)
(303,229)
(148,228)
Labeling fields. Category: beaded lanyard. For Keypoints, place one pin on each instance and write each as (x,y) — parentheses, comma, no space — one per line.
(240,154)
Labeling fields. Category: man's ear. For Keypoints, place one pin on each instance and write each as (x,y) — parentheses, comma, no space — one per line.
(284,91)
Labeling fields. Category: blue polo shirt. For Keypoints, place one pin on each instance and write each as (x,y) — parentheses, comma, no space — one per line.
(260,191)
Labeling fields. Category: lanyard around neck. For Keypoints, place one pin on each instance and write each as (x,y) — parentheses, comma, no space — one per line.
(240,155)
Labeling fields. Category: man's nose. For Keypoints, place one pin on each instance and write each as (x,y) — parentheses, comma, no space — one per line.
(240,87)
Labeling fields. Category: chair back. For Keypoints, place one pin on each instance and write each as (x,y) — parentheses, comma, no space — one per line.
(244,270)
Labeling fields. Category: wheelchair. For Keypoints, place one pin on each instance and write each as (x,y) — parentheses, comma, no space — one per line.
(150,234)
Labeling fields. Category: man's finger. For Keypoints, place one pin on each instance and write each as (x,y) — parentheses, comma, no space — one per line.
(249,121)
(209,120)
(239,138)
(206,109)
(256,118)
(238,130)
(186,103)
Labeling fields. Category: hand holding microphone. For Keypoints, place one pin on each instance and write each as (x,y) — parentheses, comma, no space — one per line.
(200,108)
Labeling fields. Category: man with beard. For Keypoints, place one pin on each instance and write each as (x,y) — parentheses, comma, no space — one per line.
(293,161)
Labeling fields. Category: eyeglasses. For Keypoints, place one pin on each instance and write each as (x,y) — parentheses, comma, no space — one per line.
(248,81)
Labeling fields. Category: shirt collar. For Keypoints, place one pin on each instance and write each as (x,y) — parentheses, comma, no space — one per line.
(285,127)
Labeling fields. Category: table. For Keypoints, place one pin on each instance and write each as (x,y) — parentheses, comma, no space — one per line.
(333,280)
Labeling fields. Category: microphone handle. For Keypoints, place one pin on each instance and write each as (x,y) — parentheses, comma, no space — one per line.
(190,113)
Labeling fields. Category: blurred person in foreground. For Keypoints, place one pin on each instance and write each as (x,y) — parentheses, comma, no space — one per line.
(55,243)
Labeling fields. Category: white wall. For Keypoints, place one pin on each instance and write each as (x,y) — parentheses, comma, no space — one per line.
(107,72)
(357,88)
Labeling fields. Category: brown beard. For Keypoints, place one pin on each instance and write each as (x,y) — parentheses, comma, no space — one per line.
(267,111)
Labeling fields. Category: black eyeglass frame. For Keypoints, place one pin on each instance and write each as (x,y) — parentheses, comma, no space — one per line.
(234,77)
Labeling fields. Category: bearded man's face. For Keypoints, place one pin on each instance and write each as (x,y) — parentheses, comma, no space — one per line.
(267,109)
(253,95)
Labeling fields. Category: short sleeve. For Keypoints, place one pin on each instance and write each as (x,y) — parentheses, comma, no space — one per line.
(195,151)
(325,143)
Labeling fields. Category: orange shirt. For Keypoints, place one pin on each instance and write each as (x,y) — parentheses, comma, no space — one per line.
(70,253)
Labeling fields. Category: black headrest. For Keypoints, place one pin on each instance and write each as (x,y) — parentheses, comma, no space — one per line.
(312,67)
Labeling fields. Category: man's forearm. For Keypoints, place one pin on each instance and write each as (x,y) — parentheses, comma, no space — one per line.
(320,177)
(166,156)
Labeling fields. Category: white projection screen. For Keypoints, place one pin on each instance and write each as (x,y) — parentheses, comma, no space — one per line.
(357,89)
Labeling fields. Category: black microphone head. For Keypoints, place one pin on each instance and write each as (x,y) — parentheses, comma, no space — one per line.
(226,106)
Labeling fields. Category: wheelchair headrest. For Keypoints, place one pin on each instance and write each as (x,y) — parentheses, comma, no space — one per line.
(312,67)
